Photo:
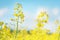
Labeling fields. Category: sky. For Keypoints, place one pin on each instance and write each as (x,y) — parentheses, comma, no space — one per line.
(31,9)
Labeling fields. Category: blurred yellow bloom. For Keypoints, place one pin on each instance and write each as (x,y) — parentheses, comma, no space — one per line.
(15,14)
(38,33)
(40,25)
(43,17)
(1,23)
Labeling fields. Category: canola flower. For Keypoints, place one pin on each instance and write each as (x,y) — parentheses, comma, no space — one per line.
(36,34)
(41,19)
(19,16)
(6,34)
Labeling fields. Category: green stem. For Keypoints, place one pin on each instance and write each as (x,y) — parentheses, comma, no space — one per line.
(17,26)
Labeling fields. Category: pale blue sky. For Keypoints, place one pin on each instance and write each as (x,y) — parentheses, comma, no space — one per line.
(30,9)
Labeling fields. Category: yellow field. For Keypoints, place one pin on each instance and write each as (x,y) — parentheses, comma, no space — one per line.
(36,34)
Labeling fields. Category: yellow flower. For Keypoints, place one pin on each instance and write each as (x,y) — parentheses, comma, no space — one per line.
(58,28)
(40,25)
(43,17)
(1,23)
(4,27)
(15,14)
